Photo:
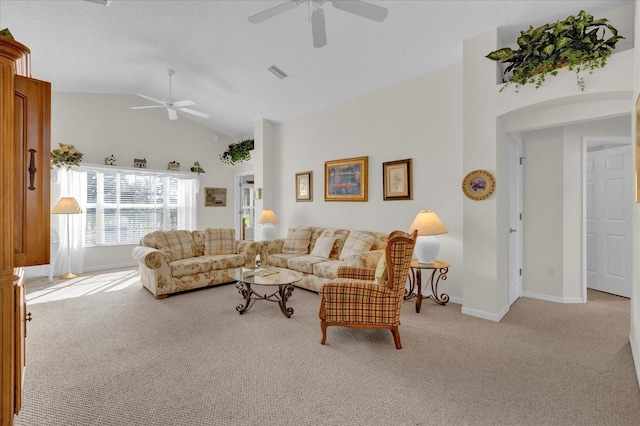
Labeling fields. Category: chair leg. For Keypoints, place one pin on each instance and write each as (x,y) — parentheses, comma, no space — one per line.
(396,338)
(323,327)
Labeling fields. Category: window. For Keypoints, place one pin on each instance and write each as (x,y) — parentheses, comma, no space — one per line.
(122,207)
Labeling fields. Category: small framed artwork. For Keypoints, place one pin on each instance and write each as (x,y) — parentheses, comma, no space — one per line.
(478,185)
(304,189)
(397,180)
(215,197)
(346,180)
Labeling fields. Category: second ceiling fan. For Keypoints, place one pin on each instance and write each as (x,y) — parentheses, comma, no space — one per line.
(172,106)
(360,8)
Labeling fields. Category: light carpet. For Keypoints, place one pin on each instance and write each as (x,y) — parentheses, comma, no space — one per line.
(102,351)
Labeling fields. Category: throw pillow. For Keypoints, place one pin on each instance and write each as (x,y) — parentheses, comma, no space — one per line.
(219,241)
(175,244)
(323,246)
(356,242)
(297,241)
(382,273)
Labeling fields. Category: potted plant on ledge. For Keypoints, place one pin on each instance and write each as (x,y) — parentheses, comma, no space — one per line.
(238,152)
(576,43)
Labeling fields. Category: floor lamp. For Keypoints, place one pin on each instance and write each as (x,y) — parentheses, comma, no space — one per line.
(67,206)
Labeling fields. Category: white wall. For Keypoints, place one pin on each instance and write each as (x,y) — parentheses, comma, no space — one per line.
(101,125)
(419,119)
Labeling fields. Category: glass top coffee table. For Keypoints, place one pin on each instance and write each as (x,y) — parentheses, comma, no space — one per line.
(265,276)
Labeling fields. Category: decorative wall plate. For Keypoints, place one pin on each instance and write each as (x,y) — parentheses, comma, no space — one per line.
(478,185)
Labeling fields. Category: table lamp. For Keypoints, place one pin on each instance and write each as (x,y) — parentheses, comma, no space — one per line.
(267,218)
(427,246)
(67,206)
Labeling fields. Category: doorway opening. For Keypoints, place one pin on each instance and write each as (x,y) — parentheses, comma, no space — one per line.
(245,207)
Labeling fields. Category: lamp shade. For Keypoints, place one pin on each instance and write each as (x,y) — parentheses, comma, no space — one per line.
(267,216)
(427,222)
(67,205)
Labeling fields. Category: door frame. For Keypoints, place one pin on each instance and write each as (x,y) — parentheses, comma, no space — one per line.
(238,179)
(586,142)
(517,186)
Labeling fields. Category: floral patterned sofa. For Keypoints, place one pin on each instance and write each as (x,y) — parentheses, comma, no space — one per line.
(174,261)
(319,252)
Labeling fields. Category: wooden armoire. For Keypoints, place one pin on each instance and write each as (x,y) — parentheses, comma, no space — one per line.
(25,123)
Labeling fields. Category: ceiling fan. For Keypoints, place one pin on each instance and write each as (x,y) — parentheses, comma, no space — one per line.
(171,105)
(360,8)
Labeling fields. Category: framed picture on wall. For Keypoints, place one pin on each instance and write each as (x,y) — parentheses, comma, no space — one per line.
(304,188)
(396,180)
(215,197)
(346,180)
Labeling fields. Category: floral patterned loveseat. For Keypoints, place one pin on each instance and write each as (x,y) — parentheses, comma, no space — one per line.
(319,252)
(174,261)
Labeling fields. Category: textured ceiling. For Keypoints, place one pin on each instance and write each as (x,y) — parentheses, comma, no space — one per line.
(221,59)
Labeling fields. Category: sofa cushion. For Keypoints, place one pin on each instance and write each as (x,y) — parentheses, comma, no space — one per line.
(219,241)
(175,245)
(225,261)
(297,241)
(304,264)
(356,242)
(323,246)
(340,235)
(279,259)
(328,269)
(189,266)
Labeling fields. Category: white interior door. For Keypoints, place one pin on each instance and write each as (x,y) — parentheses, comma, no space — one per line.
(515,219)
(608,220)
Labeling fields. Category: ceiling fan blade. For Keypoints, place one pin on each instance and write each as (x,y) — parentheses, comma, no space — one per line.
(173,115)
(276,10)
(361,8)
(318,28)
(152,100)
(183,103)
(194,112)
(148,106)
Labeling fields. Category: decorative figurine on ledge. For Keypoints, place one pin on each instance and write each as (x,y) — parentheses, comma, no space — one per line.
(140,163)
(196,168)
(110,160)
(174,166)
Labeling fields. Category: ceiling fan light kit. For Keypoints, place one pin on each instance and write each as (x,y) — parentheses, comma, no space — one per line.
(172,106)
(318,28)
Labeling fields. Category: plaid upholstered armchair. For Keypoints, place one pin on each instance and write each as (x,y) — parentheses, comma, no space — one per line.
(362,298)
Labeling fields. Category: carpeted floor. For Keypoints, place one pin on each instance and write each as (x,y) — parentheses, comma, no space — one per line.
(102,351)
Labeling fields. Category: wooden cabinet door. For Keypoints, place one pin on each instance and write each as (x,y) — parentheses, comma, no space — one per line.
(32,118)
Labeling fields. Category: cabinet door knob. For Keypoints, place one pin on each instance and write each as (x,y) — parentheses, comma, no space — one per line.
(32,169)
(28,316)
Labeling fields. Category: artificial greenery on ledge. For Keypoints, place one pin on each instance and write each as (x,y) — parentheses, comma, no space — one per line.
(238,152)
(67,155)
(576,43)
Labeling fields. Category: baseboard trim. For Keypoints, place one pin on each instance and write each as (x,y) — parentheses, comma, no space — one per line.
(486,315)
(112,266)
(635,355)
(549,298)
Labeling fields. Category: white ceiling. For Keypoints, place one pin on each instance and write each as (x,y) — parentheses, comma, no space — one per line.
(221,59)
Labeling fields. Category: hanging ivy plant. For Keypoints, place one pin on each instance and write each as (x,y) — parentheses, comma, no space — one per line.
(238,152)
(578,42)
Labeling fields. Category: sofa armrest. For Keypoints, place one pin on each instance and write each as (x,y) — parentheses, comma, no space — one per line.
(155,271)
(355,273)
(249,249)
(366,259)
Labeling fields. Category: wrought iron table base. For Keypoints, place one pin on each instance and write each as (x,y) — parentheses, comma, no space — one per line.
(250,296)
(415,280)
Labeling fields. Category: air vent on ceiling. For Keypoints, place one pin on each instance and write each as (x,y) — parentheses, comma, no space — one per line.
(277,71)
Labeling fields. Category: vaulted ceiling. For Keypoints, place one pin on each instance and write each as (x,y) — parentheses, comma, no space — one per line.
(221,59)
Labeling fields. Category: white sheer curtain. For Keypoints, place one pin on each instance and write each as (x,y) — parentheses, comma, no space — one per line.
(187,204)
(70,183)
